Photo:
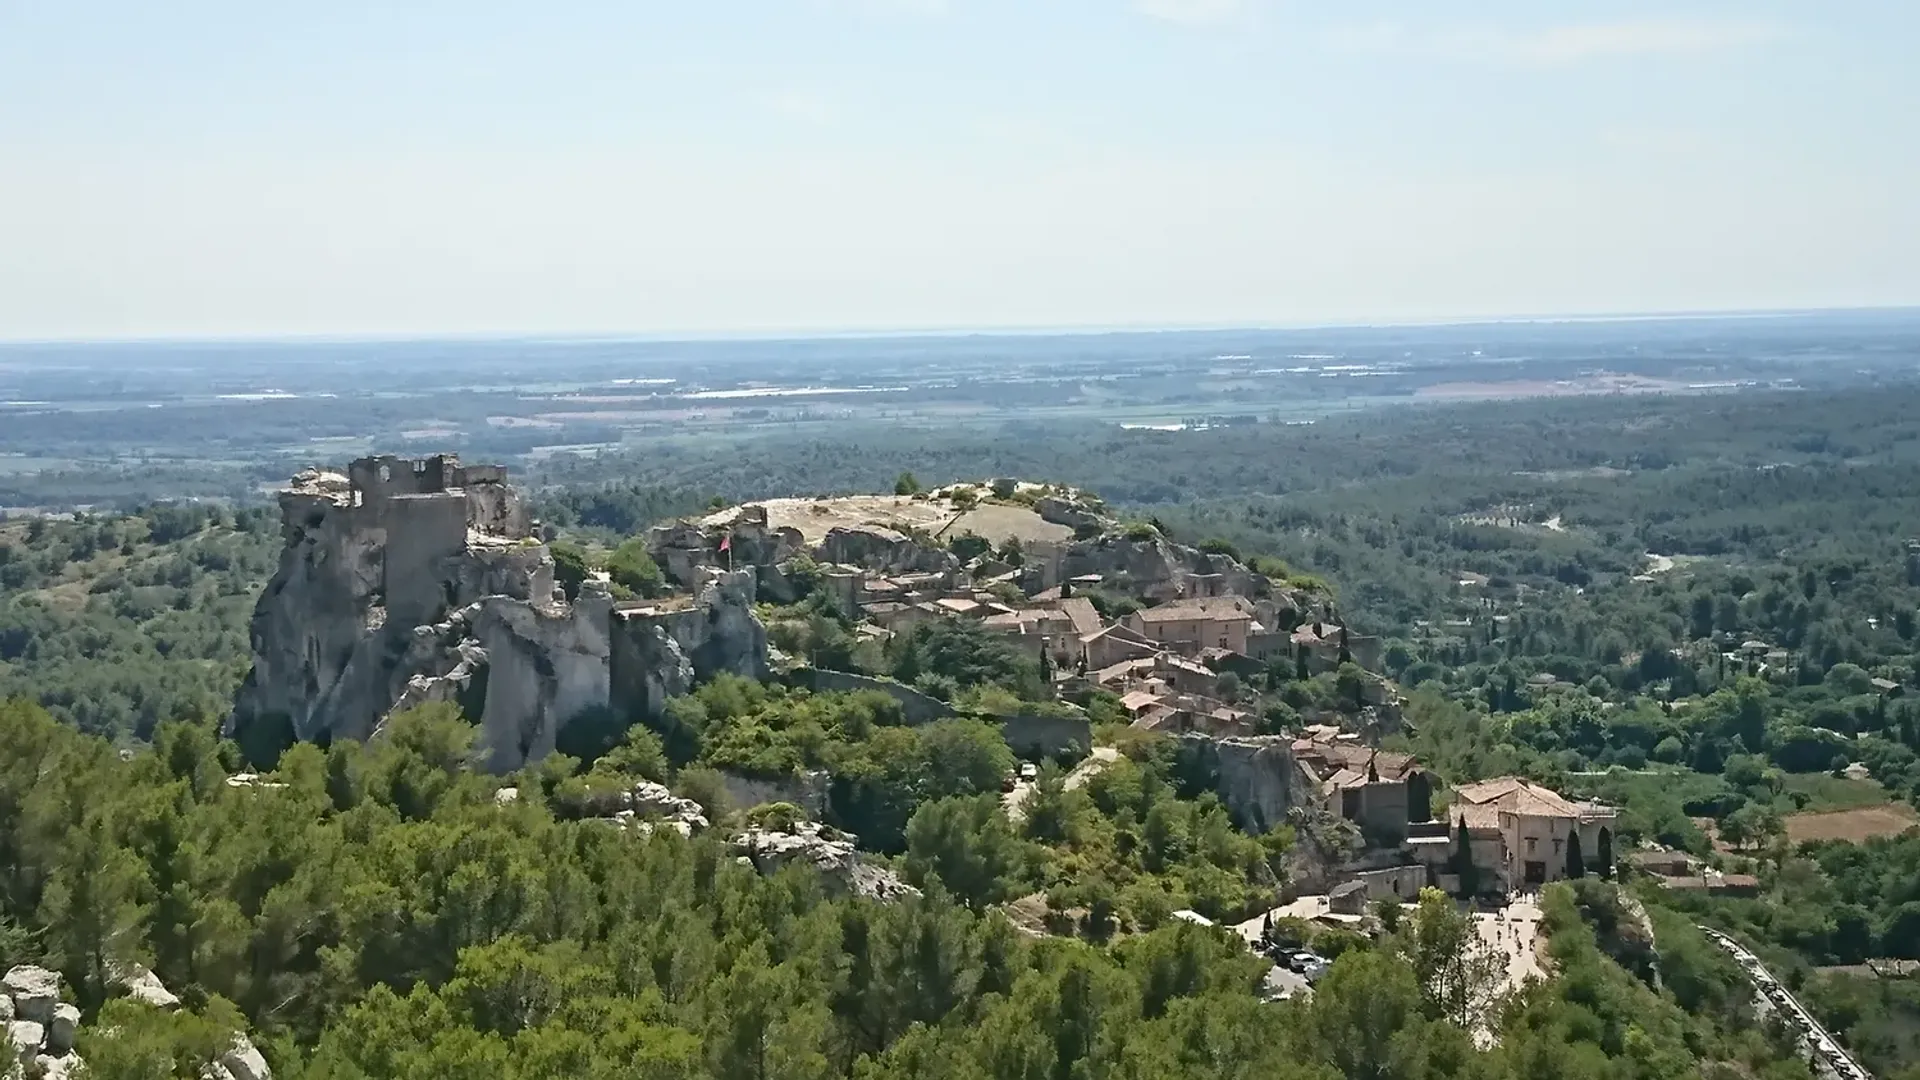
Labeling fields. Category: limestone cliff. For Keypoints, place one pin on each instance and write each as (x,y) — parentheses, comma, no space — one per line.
(1255,777)
(404,582)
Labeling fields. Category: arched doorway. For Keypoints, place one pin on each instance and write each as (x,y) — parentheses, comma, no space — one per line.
(1576,867)
(1606,853)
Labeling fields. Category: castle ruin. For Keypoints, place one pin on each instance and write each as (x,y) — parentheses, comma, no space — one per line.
(407,581)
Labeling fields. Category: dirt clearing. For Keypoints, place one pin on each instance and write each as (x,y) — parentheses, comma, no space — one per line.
(1863,823)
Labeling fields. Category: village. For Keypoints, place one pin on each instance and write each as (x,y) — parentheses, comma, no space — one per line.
(1035,566)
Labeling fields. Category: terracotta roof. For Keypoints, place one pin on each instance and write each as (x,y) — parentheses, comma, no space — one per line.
(1079,610)
(1345,778)
(1179,663)
(1138,699)
(1478,818)
(1354,755)
(1122,669)
(1117,630)
(1516,796)
(1217,608)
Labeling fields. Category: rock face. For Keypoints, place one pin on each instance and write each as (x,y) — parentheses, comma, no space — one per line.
(874,547)
(826,850)
(404,582)
(1254,776)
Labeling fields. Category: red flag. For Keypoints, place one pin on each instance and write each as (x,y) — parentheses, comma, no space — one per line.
(726,542)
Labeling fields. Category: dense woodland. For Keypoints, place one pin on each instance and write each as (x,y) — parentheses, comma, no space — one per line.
(1702,609)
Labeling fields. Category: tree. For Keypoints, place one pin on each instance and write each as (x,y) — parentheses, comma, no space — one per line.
(92,906)
(966,846)
(1459,972)
(963,757)
(570,567)
(906,485)
(1365,1015)
(1463,865)
(632,567)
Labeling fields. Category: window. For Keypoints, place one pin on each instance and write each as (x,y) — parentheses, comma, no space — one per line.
(1531,842)
(1557,845)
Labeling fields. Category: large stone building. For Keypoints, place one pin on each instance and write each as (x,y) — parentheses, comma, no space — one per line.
(1189,626)
(1523,835)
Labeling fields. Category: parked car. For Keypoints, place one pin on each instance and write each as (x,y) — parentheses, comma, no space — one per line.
(1029,772)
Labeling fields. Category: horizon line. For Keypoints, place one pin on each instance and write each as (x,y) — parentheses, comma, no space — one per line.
(921,332)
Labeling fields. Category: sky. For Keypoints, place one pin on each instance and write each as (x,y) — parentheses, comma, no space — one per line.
(213,168)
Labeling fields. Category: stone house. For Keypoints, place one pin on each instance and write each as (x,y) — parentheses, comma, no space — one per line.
(1525,835)
(1191,625)
(1115,644)
(1382,792)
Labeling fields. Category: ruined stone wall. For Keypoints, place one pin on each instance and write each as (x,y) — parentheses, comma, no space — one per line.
(421,531)
(1047,736)
(916,707)
(808,790)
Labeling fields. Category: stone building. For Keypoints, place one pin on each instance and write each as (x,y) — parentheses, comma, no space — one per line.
(1192,625)
(1523,835)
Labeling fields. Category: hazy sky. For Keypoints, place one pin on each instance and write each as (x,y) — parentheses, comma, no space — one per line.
(206,167)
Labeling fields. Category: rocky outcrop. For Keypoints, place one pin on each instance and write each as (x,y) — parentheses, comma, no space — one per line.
(34,993)
(407,582)
(686,550)
(661,650)
(1073,514)
(142,986)
(40,1027)
(241,1060)
(875,547)
(828,851)
(1254,776)
(642,807)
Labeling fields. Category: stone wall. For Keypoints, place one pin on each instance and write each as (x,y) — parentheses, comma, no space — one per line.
(1047,736)
(422,531)
(808,791)
(917,707)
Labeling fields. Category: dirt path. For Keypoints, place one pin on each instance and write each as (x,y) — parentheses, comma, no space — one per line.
(1015,801)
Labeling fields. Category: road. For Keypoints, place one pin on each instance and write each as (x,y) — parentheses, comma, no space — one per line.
(1830,1059)
(1015,801)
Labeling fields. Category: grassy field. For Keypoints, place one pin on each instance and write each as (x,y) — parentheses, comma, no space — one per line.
(1827,792)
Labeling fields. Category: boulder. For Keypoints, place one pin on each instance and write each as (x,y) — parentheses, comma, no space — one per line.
(65,1025)
(6,1009)
(34,990)
(67,1066)
(26,1038)
(143,986)
(243,1062)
